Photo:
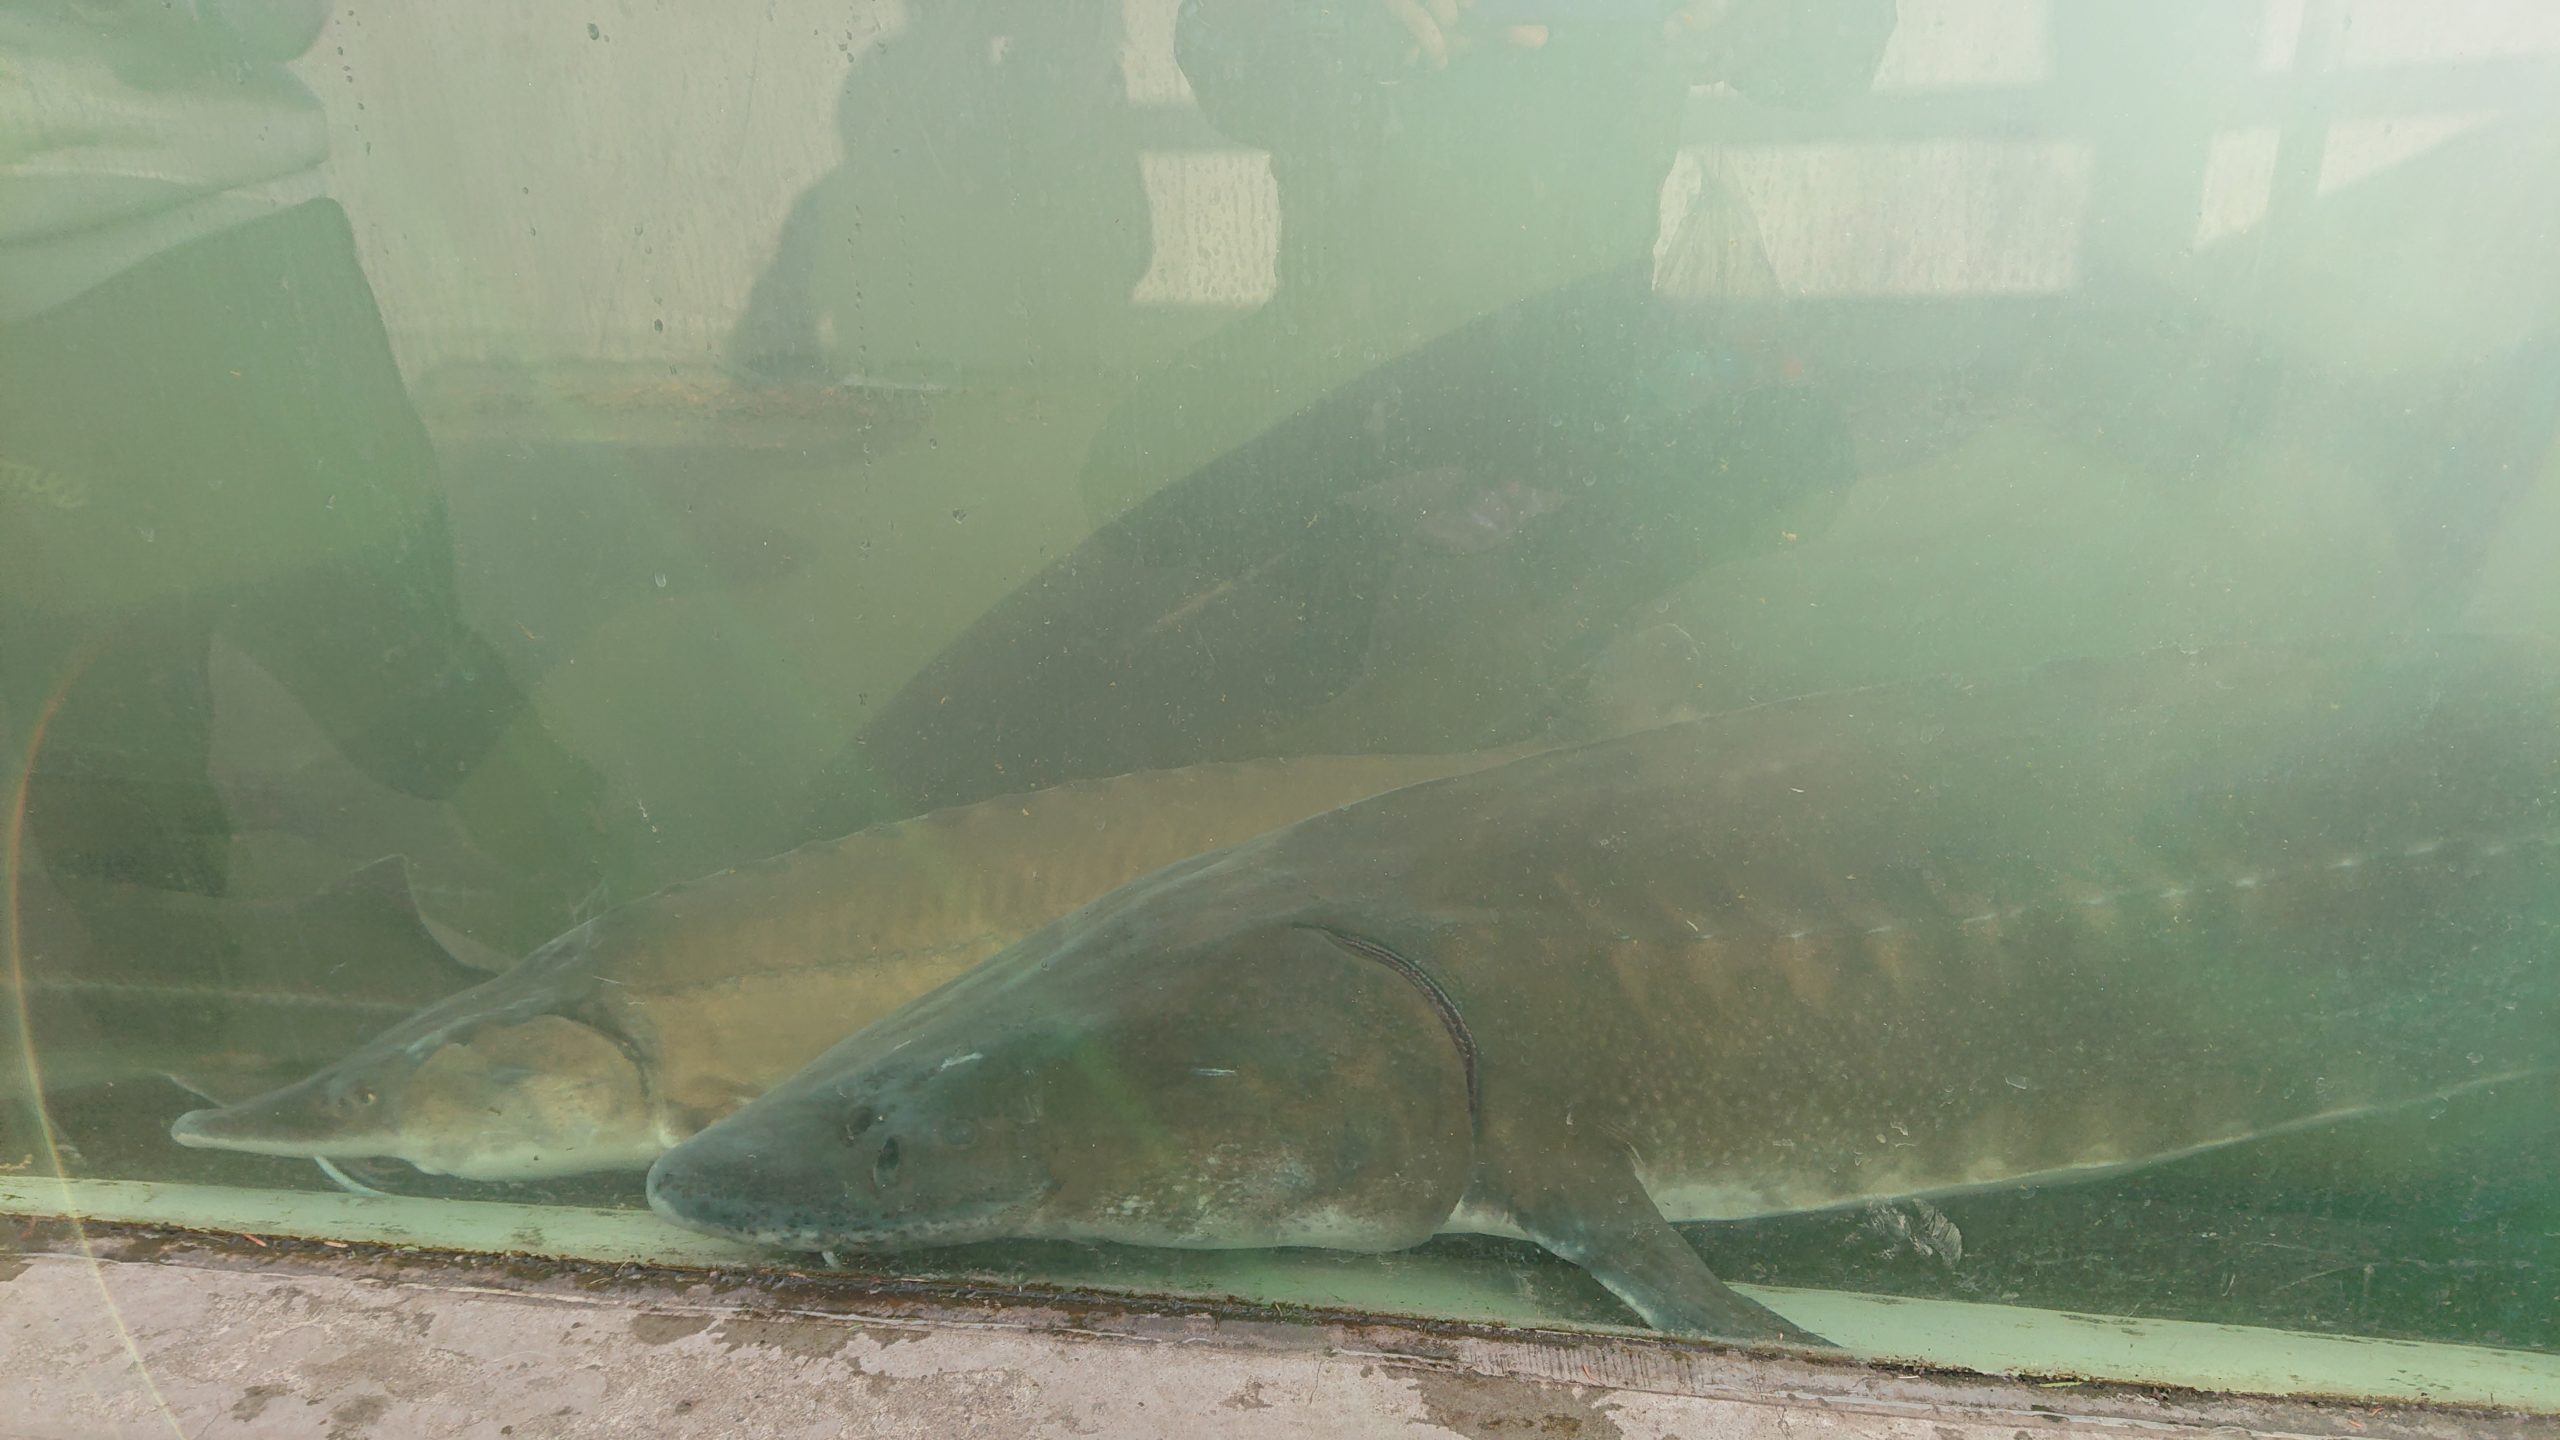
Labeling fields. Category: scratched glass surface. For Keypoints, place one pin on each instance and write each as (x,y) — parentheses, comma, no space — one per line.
(1535,658)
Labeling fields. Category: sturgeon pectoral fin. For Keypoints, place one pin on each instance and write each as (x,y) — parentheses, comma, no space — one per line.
(1602,1220)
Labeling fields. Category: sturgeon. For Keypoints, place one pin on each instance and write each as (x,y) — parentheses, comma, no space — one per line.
(635,1029)
(1870,946)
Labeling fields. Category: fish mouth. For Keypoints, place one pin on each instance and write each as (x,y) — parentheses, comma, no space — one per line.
(728,1216)
(807,1239)
(726,1201)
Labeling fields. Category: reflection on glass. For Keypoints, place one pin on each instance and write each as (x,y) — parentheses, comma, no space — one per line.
(1565,655)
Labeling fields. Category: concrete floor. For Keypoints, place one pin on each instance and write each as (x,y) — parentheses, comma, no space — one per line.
(124,1335)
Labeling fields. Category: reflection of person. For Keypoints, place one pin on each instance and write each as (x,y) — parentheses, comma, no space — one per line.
(1437,160)
(988,213)
(202,432)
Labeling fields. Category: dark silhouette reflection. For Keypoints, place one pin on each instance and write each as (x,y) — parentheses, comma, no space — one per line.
(1417,194)
(2189,364)
(2448,436)
(1437,468)
(204,435)
(988,213)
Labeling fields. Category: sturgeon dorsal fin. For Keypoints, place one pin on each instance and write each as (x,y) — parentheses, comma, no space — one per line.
(481,961)
(1652,677)
(377,903)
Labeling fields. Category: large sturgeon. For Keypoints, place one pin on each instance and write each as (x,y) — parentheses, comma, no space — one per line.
(633,1030)
(1469,519)
(1894,943)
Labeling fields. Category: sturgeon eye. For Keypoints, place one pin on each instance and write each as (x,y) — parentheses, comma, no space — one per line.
(958,1134)
(859,1121)
(884,1171)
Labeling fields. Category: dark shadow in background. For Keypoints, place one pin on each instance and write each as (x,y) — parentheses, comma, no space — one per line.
(2184,374)
(988,215)
(227,450)
(1528,444)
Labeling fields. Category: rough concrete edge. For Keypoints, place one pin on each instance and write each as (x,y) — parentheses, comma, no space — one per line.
(1665,1366)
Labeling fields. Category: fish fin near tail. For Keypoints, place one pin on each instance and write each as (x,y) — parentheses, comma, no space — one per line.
(478,961)
(377,902)
(1602,1220)
(1651,677)
(2451,473)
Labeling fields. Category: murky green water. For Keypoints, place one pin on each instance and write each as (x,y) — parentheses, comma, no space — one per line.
(675,446)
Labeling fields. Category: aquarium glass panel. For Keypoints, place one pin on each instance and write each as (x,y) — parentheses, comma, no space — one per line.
(1803,672)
